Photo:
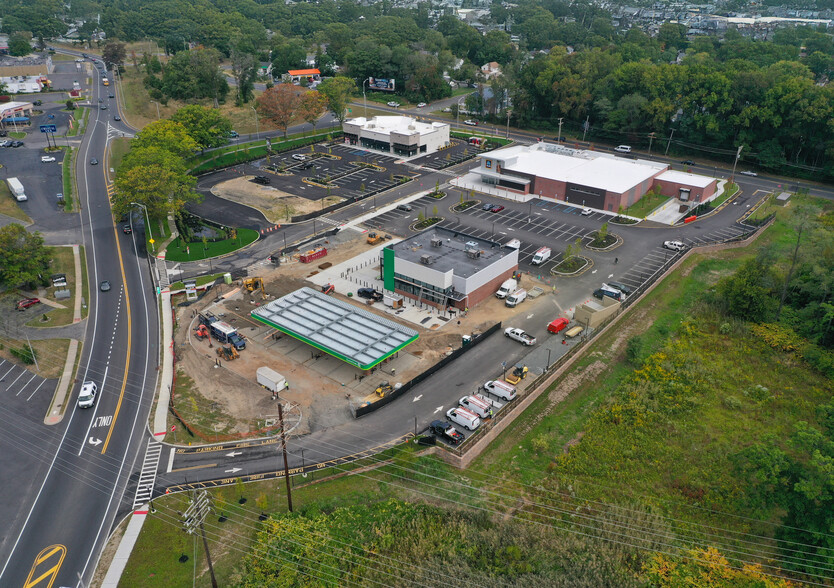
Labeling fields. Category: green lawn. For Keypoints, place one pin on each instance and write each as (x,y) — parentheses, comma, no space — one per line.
(17,135)
(729,190)
(9,206)
(648,203)
(67,178)
(118,149)
(177,250)
(63,262)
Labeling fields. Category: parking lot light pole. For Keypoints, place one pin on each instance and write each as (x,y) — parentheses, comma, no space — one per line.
(364,98)
(257,125)
(150,234)
(547,367)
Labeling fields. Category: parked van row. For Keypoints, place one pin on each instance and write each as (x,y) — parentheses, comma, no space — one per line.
(471,410)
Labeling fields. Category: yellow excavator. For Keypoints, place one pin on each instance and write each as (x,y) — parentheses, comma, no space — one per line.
(383,389)
(253,285)
(227,352)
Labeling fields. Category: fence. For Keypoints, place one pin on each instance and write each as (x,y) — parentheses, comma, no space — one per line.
(369,408)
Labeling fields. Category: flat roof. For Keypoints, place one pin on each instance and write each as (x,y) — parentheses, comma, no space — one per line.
(587,168)
(338,328)
(405,125)
(679,177)
(451,255)
(14,105)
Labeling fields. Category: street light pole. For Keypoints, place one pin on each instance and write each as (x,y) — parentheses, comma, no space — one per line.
(157,108)
(364,98)
(738,154)
(669,142)
(257,125)
(148,218)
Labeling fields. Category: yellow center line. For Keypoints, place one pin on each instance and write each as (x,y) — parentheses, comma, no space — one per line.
(197,467)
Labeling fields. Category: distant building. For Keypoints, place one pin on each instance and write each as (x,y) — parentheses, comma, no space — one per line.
(310,75)
(24,84)
(397,135)
(265,69)
(30,65)
(15,113)
(445,268)
(491,70)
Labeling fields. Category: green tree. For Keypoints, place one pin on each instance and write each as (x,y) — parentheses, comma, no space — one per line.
(244,70)
(24,259)
(338,91)
(206,126)
(20,44)
(748,293)
(155,178)
(280,104)
(114,54)
(166,134)
(311,107)
(195,74)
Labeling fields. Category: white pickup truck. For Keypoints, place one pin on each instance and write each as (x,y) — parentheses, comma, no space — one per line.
(520,336)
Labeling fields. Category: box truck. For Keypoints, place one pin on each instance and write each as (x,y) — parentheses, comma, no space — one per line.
(17,189)
(271,380)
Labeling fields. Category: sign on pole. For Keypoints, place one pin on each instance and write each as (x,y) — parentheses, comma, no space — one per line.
(49,129)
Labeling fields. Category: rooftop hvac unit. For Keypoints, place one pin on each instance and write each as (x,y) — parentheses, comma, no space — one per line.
(426,259)
(437,242)
(473,253)
(471,244)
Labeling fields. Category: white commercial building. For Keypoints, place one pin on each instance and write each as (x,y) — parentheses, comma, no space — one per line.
(398,135)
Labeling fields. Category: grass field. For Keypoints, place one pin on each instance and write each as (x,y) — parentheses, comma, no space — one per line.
(67,178)
(176,250)
(646,204)
(118,149)
(49,353)
(9,206)
(63,262)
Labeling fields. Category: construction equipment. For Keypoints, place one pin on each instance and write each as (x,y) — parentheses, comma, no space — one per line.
(374,238)
(328,289)
(519,373)
(227,352)
(253,285)
(201,332)
(383,389)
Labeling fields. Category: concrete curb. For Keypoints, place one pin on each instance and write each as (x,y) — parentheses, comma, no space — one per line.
(160,417)
(126,545)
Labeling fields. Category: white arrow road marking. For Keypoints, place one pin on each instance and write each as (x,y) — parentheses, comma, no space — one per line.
(593,271)
(233,470)
(416,398)
(438,409)
(610,276)
(234,453)
(529,316)
(95,442)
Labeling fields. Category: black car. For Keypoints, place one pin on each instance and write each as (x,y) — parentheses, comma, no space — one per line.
(369,293)
(111,95)
(621,287)
(117,117)
(446,431)
(16,144)
(37,103)
(94,161)
(307,165)
(602,292)
(263,180)
(688,162)
(4,133)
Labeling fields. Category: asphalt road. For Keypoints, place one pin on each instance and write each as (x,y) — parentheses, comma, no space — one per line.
(84,464)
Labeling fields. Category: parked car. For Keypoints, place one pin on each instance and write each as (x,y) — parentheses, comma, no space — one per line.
(621,287)
(496,208)
(587,211)
(5,143)
(94,161)
(16,144)
(404,207)
(687,162)
(27,302)
(674,245)
(623,149)
(47,159)
(299,157)
(446,431)
(611,293)
(87,396)
(557,325)
(421,105)
(487,206)
(369,293)
(393,104)
(308,165)
(470,122)
(104,286)
(749,173)
(262,180)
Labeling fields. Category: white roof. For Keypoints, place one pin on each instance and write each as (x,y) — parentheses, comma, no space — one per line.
(14,105)
(679,177)
(405,125)
(588,168)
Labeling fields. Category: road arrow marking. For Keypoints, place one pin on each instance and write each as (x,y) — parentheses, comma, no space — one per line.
(438,409)
(95,442)
(233,470)
(234,454)
(610,276)
(416,398)
(594,271)
(529,316)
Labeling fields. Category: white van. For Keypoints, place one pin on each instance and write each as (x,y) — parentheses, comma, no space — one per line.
(463,417)
(516,298)
(477,405)
(623,148)
(541,255)
(501,389)
(507,288)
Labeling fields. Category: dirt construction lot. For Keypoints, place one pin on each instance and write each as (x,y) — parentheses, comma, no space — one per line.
(322,388)
(276,205)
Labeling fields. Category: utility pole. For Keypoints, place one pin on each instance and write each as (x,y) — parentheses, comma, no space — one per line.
(284,451)
(585,127)
(192,519)
(669,142)
(508,122)
(559,136)
(738,154)
(651,138)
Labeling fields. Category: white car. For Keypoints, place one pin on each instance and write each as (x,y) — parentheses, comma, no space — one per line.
(587,211)
(470,122)
(674,245)
(393,104)
(299,157)
(622,149)
(749,173)
(47,159)
(421,105)
(87,396)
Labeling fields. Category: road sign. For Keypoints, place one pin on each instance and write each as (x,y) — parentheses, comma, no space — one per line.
(49,129)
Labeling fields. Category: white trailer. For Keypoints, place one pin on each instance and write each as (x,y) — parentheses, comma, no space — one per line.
(17,189)
(271,380)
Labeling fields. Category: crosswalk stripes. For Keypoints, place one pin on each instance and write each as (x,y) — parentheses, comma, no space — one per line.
(329,221)
(162,273)
(147,477)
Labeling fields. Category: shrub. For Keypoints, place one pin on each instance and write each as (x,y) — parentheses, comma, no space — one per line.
(539,444)
(634,350)
(732,403)
(24,354)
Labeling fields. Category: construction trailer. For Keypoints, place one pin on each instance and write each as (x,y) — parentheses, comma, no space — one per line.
(270,379)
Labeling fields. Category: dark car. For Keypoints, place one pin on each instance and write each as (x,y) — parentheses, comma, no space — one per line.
(307,165)
(404,207)
(621,287)
(111,95)
(496,208)
(4,133)
(602,292)
(37,102)
(27,302)
(447,431)
(369,293)
(16,144)
(263,180)
(126,229)
(104,286)
(233,134)
(117,117)
(94,161)
(688,162)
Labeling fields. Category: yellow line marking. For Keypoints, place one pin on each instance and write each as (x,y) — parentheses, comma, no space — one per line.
(208,465)
(51,573)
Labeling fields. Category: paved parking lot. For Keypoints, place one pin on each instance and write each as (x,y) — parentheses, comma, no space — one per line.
(28,391)
(459,151)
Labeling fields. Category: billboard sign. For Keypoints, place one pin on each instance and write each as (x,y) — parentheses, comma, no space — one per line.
(49,129)
(386,84)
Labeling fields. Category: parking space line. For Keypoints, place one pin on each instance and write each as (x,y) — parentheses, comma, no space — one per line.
(43,381)
(22,388)
(16,379)
(7,373)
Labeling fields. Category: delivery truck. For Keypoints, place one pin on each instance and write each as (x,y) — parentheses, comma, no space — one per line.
(17,189)
(541,255)
(271,380)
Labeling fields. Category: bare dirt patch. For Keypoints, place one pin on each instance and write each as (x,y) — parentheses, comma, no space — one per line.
(276,205)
